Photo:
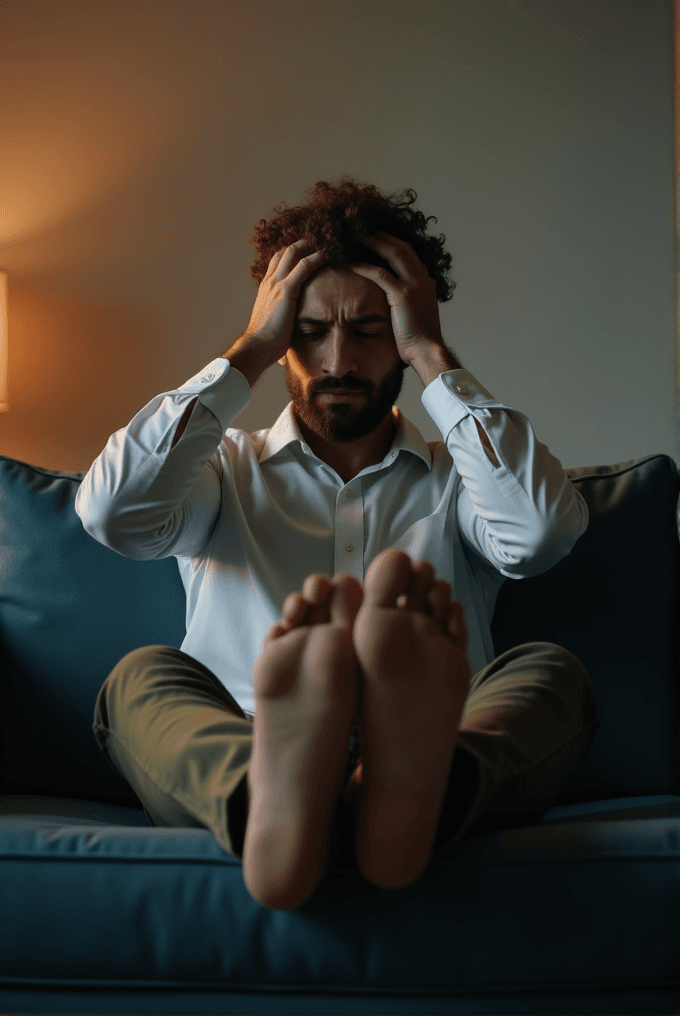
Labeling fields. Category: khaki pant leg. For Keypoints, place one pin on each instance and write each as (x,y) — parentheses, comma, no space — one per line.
(181,741)
(529,717)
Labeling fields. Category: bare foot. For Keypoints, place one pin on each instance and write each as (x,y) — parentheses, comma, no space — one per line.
(410,640)
(306,686)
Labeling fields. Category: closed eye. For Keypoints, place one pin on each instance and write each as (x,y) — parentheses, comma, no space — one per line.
(322,331)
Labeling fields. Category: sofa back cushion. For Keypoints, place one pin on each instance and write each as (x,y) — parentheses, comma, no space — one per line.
(70,609)
(613,603)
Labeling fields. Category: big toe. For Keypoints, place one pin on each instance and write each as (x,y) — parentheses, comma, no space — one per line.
(388,576)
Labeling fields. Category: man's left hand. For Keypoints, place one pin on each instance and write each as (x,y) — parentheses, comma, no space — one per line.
(412,296)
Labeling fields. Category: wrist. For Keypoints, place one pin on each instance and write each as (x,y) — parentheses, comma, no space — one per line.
(432,361)
(248,357)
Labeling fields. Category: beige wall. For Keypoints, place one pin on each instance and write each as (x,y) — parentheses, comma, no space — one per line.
(140,142)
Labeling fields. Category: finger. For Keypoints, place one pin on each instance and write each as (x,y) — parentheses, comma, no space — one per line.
(397,252)
(293,250)
(305,267)
(384,237)
(290,252)
(379,275)
(276,258)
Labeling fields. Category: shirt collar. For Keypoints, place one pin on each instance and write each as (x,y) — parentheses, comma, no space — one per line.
(407,437)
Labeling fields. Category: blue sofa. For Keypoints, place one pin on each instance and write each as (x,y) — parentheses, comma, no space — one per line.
(100,913)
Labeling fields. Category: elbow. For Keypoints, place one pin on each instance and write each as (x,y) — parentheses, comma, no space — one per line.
(560,532)
(111,539)
(109,535)
(91,524)
(550,538)
(555,544)
(96,523)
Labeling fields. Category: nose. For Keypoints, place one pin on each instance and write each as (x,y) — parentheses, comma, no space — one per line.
(340,353)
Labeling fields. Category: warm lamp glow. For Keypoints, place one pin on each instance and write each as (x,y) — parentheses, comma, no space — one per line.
(4,342)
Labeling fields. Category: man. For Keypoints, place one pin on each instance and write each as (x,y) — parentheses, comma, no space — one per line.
(302,706)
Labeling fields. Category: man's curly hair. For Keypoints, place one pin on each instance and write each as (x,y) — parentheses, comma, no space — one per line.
(336,218)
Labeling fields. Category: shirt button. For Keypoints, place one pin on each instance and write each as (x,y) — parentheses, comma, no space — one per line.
(349,492)
(349,546)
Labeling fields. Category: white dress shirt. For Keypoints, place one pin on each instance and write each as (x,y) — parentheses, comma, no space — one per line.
(250,516)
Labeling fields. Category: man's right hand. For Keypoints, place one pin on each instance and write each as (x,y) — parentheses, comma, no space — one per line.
(275,307)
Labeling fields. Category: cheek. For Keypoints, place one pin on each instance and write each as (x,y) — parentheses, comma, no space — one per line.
(306,356)
(299,347)
(300,363)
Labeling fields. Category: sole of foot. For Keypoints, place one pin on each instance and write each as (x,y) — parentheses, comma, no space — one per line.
(306,689)
(410,640)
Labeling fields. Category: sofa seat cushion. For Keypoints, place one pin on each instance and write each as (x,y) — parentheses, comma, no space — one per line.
(126,905)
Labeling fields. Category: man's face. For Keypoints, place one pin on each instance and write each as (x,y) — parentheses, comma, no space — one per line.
(343,352)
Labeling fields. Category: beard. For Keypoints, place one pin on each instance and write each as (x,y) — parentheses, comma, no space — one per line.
(345,421)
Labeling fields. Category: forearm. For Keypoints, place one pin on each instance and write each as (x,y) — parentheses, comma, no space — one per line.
(249,357)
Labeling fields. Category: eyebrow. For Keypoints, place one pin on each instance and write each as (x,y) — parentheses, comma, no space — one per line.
(363,320)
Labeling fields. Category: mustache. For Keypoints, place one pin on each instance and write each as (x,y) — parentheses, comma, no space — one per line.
(330,386)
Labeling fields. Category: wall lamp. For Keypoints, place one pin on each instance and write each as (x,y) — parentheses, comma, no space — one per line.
(4,342)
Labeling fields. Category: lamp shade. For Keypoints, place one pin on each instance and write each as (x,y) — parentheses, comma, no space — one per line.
(4,342)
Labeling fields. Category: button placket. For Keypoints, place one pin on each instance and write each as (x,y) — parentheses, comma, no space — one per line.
(349,532)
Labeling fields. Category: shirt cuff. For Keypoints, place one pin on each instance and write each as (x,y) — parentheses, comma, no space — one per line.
(450,397)
(222,389)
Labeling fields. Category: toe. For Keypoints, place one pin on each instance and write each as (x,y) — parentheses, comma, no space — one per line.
(455,625)
(295,609)
(423,577)
(275,631)
(438,599)
(316,589)
(345,601)
(387,578)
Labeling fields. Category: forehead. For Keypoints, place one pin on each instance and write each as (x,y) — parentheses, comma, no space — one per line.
(331,292)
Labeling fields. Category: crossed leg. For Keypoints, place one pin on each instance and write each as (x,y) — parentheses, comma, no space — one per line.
(380,658)
(393,655)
